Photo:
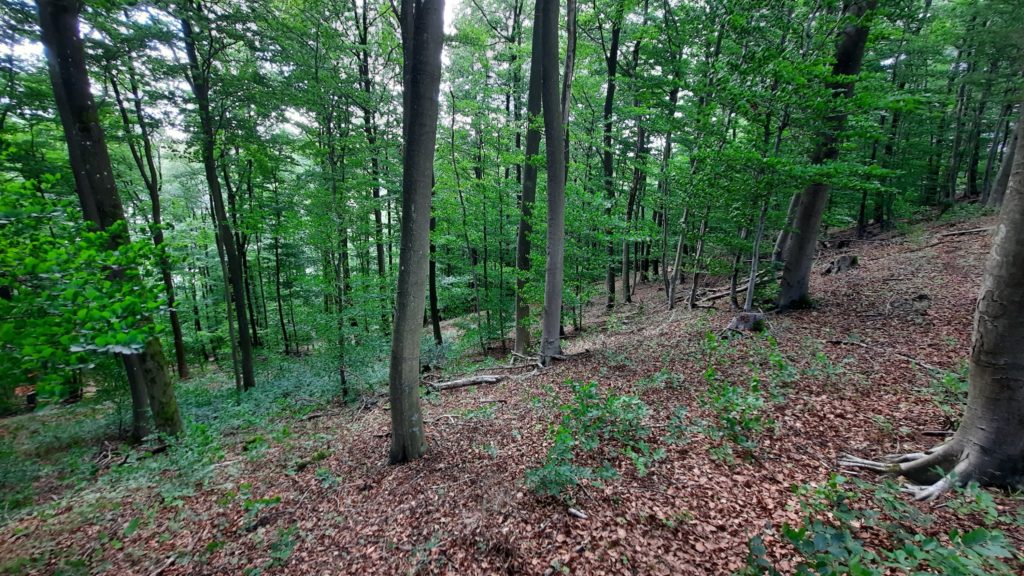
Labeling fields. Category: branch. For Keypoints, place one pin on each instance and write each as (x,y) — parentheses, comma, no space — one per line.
(463,382)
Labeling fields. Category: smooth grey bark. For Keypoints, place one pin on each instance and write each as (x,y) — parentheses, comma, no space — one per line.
(529,191)
(799,250)
(96,187)
(554,139)
(422,23)
(748,303)
(991,435)
(692,302)
(199,80)
(678,261)
(988,447)
(999,138)
(636,191)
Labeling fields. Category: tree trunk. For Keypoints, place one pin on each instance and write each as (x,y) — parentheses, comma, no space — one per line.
(199,80)
(146,164)
(95,185)
(529,193)
(799,252)
(988,447)
(554,139)
(422,25)
(435,313)
(1000,186)
(635,191)
(991,436)
(607,157)
(998,139)
(696,261)
(755,257)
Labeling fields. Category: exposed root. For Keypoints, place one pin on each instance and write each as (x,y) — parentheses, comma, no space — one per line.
(851,461)
(906,458)
(932,473)
(961,474)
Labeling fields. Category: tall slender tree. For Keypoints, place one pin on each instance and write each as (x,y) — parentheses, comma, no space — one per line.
(422,25)
(529,191)
(200,72)
(554,140)
(799,250)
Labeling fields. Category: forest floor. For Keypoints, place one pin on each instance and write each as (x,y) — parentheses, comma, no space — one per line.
(311,492)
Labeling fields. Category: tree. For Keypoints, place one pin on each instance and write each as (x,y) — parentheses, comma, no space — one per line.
(1002,181)
(554,139)
(200,71)
(422,24)
(529,191)
(799,250)
(988,447)
(97,192)
(144,158)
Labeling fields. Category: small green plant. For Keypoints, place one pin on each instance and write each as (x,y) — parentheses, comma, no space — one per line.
(609,426)
(253,506)
(326,477)
(659,380)
(949,392)
(485,412)
(738,418)
(828,538)
(281,548)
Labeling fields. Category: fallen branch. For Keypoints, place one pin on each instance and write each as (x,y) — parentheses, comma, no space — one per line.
(761,279)
(463,382)
(963,232)
(910,359)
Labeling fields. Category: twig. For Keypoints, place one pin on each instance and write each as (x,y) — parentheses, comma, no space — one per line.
(163,567)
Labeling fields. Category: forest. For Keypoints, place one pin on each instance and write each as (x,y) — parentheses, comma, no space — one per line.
(500,287)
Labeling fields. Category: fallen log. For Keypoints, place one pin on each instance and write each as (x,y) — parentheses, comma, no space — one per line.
(463,382)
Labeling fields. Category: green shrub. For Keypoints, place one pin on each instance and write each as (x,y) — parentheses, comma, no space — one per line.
(828,541)
(738,413)
(609,425)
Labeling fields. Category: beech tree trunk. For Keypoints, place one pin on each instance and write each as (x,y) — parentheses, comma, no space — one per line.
(422,25)
(146,164)
(554,139)
(529,193)
(607,157)
(799,250)
(97,190)
(991,436)
(999,188)
(199,81)
(988,447)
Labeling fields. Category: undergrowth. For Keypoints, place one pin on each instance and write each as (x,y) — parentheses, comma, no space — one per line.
(68,450)
(865,529)
(606,426)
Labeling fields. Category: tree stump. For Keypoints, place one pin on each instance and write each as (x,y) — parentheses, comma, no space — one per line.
(747,322)
(841,264)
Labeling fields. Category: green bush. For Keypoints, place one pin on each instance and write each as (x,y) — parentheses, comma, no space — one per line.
(609,425)
(828,541)
(738,417)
